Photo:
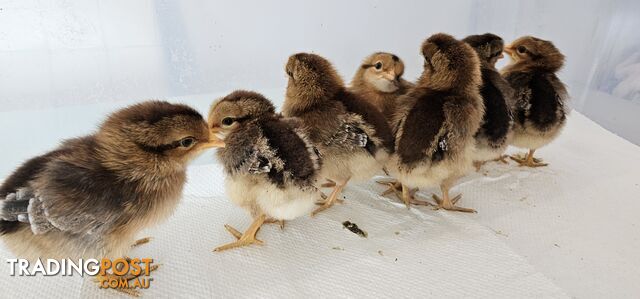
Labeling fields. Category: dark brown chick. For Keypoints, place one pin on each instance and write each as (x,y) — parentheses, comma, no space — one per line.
(437,120)
(379,81)
(91,196)
(271,165)
(540,109)
(352,136)
(495,131)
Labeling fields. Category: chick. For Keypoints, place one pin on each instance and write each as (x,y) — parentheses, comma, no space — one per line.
(495,130)
(379,81)
(271,165)
(540,110)
(91,196)
(351,135)
(436,121)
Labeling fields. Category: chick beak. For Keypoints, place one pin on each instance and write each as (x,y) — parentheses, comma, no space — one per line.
(391,76)
(214,140)
(508,50)
(501,55)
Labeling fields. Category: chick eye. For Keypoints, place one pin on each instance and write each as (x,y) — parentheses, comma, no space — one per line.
(227,121)
(521,49)
(187,142)
(378,65)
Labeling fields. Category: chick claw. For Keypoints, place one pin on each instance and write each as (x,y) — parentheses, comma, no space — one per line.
(450,204)
(528,160)
(408,197)
(502,159)
(248,238)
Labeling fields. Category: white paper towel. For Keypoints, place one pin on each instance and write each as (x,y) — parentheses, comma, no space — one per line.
(526,216)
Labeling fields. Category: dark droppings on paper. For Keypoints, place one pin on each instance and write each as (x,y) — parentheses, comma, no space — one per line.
(354,229)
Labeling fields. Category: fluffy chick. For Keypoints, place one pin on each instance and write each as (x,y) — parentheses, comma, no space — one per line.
(352,136)
(91,196)
(271,165)
(540,110)
(379,81)
(437,120)
(495,130)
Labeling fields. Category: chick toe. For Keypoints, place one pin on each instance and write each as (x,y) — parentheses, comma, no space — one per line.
(394,187)
(246,238)
(328,184)
(331,200)
(449,204)
(528,160)
(502,159)
(141,242)
(273,220)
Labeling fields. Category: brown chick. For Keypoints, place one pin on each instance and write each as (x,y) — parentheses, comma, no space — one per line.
(437,120)
(540,110)
(271,166)
(352,136)
(91,196)
(379,81)
(492,139)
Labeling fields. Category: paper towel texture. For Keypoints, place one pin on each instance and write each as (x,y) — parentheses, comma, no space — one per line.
(546,232)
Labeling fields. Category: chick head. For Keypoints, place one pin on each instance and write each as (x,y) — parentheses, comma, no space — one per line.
(449,63)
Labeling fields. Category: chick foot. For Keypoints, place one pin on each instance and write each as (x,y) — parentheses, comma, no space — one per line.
(141,242)
(103,280)
(394,187)
(528,160)
(408,197)
(248,238)
(450,204)
(502,159)
(328,184)
(331,200)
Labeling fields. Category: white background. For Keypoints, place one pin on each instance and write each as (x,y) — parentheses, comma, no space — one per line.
(55,53)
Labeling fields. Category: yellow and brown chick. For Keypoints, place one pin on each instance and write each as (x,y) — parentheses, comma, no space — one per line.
(271,165)
(540,109)
(437,120)
(379,81)
(496,129)
(91,196)
(351,135)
